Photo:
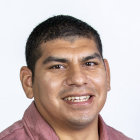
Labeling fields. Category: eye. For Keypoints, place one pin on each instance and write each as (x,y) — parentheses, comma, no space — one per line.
(57,67)
(90,64)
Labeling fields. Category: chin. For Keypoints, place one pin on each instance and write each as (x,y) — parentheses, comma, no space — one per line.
(82,121)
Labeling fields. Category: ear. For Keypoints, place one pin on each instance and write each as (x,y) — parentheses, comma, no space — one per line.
(26,80)
(107,74)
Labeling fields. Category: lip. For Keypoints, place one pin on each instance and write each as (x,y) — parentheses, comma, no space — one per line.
(78,94)
(89,101)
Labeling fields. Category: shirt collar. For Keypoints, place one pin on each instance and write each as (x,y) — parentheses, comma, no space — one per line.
(37,126)
(102,129)
(39,129)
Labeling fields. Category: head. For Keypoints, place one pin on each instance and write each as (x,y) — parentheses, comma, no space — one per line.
(66,73)
(57,27)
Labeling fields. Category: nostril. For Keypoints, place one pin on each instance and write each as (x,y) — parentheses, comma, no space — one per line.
(76,77)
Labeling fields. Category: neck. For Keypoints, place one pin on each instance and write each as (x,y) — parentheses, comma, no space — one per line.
(89,132)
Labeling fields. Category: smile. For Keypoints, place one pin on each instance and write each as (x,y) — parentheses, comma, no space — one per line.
(77,98)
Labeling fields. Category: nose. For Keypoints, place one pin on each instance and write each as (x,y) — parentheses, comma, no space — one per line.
(76,76)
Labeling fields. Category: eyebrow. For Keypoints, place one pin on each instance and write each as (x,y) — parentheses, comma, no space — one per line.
(56,59)
(63,60)
(93,56)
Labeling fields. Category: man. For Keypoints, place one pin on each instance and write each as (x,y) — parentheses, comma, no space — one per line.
(68,78)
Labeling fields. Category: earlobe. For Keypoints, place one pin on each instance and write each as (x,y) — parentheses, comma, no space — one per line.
(26,80)
(107,74)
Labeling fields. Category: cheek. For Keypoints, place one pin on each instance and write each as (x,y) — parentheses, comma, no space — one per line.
(51,83)
(98,80)
(46,90)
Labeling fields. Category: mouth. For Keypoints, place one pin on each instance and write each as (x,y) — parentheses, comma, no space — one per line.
(77,98)
(83,99)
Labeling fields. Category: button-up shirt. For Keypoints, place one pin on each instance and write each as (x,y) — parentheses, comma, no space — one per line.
(34,127)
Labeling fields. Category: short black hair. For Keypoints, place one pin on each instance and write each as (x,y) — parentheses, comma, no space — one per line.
(60,26)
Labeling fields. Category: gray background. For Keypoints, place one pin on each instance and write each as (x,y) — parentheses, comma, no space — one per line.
(117,21)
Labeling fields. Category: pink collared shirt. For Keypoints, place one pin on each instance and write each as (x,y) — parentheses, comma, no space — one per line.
(34,127)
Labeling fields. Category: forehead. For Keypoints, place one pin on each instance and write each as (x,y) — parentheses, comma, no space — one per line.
(69,47)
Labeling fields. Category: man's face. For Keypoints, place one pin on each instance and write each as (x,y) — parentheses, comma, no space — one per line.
(71,82)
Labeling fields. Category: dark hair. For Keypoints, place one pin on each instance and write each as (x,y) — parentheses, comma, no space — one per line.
(60,26)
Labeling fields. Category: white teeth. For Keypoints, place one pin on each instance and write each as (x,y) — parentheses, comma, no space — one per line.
(72,98)
(82,97)
(77,98)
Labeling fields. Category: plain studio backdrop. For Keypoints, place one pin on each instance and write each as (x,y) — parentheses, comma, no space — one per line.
(118,23)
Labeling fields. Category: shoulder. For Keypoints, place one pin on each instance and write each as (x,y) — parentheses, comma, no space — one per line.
(14,132)
(116,135)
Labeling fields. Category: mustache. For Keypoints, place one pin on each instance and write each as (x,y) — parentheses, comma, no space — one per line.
(77,90)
